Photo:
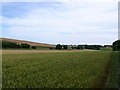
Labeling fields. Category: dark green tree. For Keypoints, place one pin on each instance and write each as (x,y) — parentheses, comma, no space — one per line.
(116,45)
(58,46)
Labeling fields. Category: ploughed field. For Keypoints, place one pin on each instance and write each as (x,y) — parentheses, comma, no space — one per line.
(54,69)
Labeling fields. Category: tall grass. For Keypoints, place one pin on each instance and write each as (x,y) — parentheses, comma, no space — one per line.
(84,69)
(113,80)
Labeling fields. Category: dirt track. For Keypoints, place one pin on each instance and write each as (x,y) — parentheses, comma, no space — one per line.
(34,51)
(40,51)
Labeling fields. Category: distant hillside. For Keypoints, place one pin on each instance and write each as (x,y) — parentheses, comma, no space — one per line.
(27,42)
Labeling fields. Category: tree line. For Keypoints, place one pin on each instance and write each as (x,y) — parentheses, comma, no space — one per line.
(95,47)
(6,45)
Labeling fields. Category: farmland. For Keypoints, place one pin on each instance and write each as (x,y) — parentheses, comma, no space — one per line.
(54,69)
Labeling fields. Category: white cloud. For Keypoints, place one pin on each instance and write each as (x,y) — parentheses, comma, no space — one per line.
(82,20)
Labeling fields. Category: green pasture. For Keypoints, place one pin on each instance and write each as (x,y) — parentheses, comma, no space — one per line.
(77,69)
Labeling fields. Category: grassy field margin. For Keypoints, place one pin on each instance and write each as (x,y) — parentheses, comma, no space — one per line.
(114,69)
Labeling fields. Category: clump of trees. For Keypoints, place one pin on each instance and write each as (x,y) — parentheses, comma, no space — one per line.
(8,45)
(59,46)
(116,45)
(95,47)
(80,47)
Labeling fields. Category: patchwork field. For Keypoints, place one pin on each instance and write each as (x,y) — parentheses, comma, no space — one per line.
(54,69)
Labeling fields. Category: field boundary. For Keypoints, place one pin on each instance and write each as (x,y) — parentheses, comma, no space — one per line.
(113,75)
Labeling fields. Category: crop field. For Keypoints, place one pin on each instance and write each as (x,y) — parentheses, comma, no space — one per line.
(54,69)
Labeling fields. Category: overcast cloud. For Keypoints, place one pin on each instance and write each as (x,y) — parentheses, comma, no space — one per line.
(61,21)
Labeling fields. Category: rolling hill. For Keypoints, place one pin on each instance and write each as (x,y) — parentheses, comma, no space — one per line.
(27,42)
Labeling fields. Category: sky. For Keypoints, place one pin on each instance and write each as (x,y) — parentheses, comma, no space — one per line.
(60,21)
